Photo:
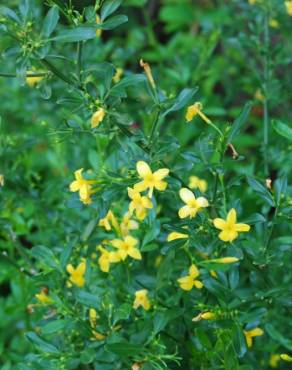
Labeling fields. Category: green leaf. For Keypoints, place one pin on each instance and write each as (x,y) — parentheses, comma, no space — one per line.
(46,256)
(182,100)
(41,344)
(109,7)
(88,229)
(151,234)
(126,82)
(75,34)
(54,326)
(88,299)
(113,22)
(239,122)
(6,12)
(278,337)
(280,187)
(124,349)
(261,190)
(50,21)
(239,340)
(282,129)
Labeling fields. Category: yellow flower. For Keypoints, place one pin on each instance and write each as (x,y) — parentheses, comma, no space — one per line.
(174,235)
(127,224)
(194,110)
(230,228)
(148,72)
(224,260)
(92,317)
(106,258)
(31,81)
(204,316)
(126,247)
(97,117)
(250,334)
(77,274)
(83,186)
(98,336)
(98,21)
(2,181)
(108,221)
(193,205)
(274,359)
(196,183)
(117,76)
(150,180)
(259,95)
(213,274)
(139,204)
(288,5)
(92,321)
(141,299)
(158,260)
(189,281)
(286,357)
(274,23)
(43,297)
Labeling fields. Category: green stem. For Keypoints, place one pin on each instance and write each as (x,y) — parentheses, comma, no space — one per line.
(57,72)
(79,60)
(265,88)
(13,75)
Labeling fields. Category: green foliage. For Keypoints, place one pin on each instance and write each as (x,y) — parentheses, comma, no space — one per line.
(102,86)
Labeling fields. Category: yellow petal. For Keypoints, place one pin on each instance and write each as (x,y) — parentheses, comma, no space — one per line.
(198,284)
(186,195)
(117,243)
(140,186)
(74,186)
(143,169)
(135,253)
(184,212)
(242,227)
(231,217)
(81,268)
(131,241)
(146,202)
(219,223)
(286,357)
(175,235)
(202,202)
(160,174)
(70,268)
(248,339)
(228,236)
(160,185)
(225,260)
(193,271)
(186,283)
(256,332)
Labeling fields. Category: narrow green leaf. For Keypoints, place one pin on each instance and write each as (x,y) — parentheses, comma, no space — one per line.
(109,7)
(45,255)
(50,21)
(182,100)
(239,122)
(125,349)
(41,344)
(75,34)
(114,22)
(261,191)
(282,129)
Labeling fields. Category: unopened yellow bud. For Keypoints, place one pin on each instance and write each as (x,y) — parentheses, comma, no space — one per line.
(148,72)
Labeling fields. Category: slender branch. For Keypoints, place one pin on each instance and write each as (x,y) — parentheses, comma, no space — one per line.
(13,75)
(265,88)
(79,59)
